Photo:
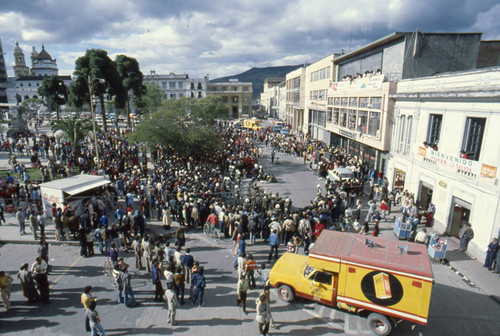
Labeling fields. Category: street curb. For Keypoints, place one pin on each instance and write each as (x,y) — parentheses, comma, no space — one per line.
(462,276)
(37,242)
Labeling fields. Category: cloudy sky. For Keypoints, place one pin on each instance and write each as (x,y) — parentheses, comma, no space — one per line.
(221,38)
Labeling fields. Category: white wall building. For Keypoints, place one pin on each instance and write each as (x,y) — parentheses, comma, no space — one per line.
(446,150)
(27,80)
(179,85)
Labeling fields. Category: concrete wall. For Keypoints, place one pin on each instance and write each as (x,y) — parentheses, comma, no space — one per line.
(392,61)
(429,54)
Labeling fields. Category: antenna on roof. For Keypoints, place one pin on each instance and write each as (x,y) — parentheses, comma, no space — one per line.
(403,249)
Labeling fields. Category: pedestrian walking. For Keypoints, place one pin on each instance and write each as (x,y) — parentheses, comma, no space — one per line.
(5,288)
(33,225)
(94,319)
(263,311)
(156,273)
(466,234)
(25,276)
(199,284)
(188,264)
(263,276)
(274,242)
(41,224)
(137,247)
(250,267)
(128,292)
(180,284)
(146,252)
(39,269)
(21,221)
(241,291)
(86,299)
(172,304)
(491,254)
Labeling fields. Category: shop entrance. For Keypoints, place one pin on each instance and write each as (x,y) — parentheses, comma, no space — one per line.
(459,216)
(399,179)
(425,195)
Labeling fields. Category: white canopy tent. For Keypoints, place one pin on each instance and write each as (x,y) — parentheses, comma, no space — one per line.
(59,190)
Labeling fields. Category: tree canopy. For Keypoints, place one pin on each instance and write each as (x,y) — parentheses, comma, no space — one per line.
(152,98)
(54,91)
(74,129)
(132,79)
(96,64)
(184,126)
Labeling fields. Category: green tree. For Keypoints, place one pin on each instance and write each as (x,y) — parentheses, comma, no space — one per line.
(185,126)
(74,129)
(78,94)
(54,91)
(97,64)
(32,104)
(152,99)
(132,79)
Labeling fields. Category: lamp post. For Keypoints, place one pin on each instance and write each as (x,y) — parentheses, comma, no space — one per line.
(90,81)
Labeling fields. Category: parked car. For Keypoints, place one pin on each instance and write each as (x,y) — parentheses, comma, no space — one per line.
(340,174)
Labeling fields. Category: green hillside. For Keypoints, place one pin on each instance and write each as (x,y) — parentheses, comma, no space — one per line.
(257,76)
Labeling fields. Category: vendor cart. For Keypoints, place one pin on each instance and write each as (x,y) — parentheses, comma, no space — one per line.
(402,230)
(437,248)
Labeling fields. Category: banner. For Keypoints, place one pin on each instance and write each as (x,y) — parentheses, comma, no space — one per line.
(457,164)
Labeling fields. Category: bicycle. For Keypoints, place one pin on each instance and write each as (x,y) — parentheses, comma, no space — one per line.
(110,271)
(212,232)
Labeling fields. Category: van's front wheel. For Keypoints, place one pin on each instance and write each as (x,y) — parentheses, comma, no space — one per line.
(286,293)
(379,324)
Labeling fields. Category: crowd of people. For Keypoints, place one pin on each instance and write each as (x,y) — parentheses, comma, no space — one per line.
(158,183)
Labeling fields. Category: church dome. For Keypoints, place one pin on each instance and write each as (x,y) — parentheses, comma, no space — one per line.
(44,55)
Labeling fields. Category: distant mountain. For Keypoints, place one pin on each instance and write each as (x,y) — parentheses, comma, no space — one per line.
(257,76)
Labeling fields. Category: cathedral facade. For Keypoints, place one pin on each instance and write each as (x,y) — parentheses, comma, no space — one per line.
(27,79)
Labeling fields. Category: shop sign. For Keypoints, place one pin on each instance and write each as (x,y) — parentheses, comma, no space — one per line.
(443,184)
(347,134)
(422,151)
(488,171)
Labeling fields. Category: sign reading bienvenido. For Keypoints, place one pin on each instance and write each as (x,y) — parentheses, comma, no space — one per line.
(457,164)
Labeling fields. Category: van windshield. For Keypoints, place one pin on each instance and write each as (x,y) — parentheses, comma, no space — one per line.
(308,270)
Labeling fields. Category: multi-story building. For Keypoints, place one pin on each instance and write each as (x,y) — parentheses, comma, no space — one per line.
(176,86)
(445,149)
(269,95)
(279,109)
(4,83)
(318,78)
(359,111)
(236,95)
(295,99)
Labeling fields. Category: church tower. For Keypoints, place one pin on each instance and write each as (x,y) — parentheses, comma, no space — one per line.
(20,68)
(34,55)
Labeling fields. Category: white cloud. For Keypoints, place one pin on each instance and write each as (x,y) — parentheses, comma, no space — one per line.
(221,38)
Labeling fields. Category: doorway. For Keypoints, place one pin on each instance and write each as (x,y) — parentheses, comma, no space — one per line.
(425,195)
(235,112)
(459,216)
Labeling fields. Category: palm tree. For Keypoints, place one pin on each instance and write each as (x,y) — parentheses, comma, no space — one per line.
(73,129)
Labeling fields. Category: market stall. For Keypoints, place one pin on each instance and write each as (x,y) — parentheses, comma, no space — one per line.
(68,189)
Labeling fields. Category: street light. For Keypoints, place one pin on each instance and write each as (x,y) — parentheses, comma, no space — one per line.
(90,81)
